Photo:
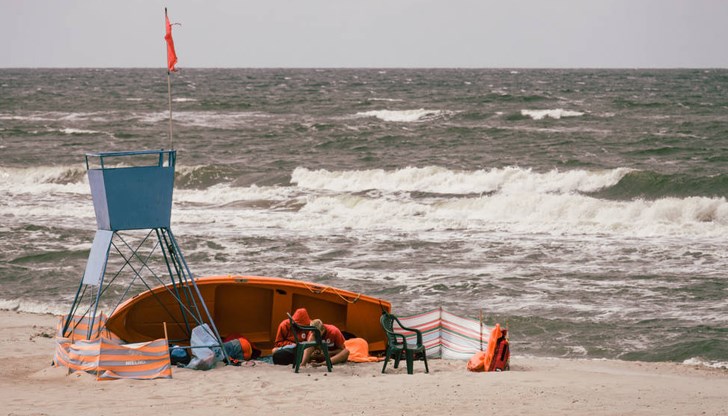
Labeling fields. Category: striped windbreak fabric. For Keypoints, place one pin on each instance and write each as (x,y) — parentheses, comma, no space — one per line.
(447,335)
(110,359)
(84,327)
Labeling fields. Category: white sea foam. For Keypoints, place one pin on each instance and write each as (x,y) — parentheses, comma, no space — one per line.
(562,214)
(555,113)
(441,180)
(405,116)
(99,116)
(496,200)
(706,363)
(4,116)
(569,213)
(391,100)
(78,131)
(576,350)
(45,195)
(517,200)
(24,179)
(222,194)
(33,307)
(204,118)
(183,100)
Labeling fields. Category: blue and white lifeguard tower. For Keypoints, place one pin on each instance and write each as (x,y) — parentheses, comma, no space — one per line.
(133,191)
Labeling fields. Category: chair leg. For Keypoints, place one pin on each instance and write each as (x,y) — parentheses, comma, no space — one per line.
(386,360)
(299,357)
(397,357)
(424,357)
(409,357)
(325,350)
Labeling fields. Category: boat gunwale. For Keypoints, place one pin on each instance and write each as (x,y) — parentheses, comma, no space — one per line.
(251,279)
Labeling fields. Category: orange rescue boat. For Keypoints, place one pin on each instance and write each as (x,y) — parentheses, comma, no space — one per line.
(250,306)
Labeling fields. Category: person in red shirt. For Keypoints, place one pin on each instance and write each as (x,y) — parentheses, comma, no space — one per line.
(333,338)
(284,346)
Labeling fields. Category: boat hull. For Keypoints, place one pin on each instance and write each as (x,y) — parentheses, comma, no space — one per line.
(250,306)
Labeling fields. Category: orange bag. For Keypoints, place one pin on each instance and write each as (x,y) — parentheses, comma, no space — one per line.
(477,362)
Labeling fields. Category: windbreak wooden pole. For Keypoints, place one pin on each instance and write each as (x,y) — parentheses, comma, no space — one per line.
(481,329)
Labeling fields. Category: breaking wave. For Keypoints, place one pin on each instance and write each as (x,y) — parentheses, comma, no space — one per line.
(555,114)
(405,116)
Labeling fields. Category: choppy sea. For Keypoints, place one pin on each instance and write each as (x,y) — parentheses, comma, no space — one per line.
(586,209)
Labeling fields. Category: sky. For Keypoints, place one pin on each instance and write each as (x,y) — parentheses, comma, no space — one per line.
(367,33)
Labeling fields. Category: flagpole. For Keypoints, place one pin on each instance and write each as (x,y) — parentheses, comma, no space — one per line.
(169,81)
(169,94)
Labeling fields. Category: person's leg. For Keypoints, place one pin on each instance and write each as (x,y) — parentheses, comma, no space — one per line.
(310,355)
(284,356)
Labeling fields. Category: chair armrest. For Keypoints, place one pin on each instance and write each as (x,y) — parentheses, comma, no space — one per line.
(416,331)
(397,335)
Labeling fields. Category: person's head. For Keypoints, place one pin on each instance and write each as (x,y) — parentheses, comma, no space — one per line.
(319,325)
(301,317)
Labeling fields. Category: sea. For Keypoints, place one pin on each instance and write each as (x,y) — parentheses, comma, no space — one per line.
(584,209)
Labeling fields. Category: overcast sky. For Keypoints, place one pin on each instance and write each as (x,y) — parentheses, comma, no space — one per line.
(367,33)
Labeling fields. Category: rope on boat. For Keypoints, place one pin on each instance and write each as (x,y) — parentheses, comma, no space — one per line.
(333,289)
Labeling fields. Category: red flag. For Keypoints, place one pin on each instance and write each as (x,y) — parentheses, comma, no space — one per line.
(171,54)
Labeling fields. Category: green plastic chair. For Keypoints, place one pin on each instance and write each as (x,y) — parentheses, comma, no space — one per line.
(397,344)
(302,345)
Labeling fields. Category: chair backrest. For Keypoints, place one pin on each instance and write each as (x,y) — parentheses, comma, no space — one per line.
(387,321)
(298,329)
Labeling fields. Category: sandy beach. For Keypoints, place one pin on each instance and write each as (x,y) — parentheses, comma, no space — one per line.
(29,385)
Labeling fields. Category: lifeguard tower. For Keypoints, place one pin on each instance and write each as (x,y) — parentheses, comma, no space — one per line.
(132,197)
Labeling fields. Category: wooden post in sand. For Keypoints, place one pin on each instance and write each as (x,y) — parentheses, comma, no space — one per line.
(481,329)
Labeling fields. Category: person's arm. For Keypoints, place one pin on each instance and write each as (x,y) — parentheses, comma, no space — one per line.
(281,337)
(340,352)
(340,357)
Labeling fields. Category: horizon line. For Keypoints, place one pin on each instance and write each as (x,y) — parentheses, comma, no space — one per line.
(180,69)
